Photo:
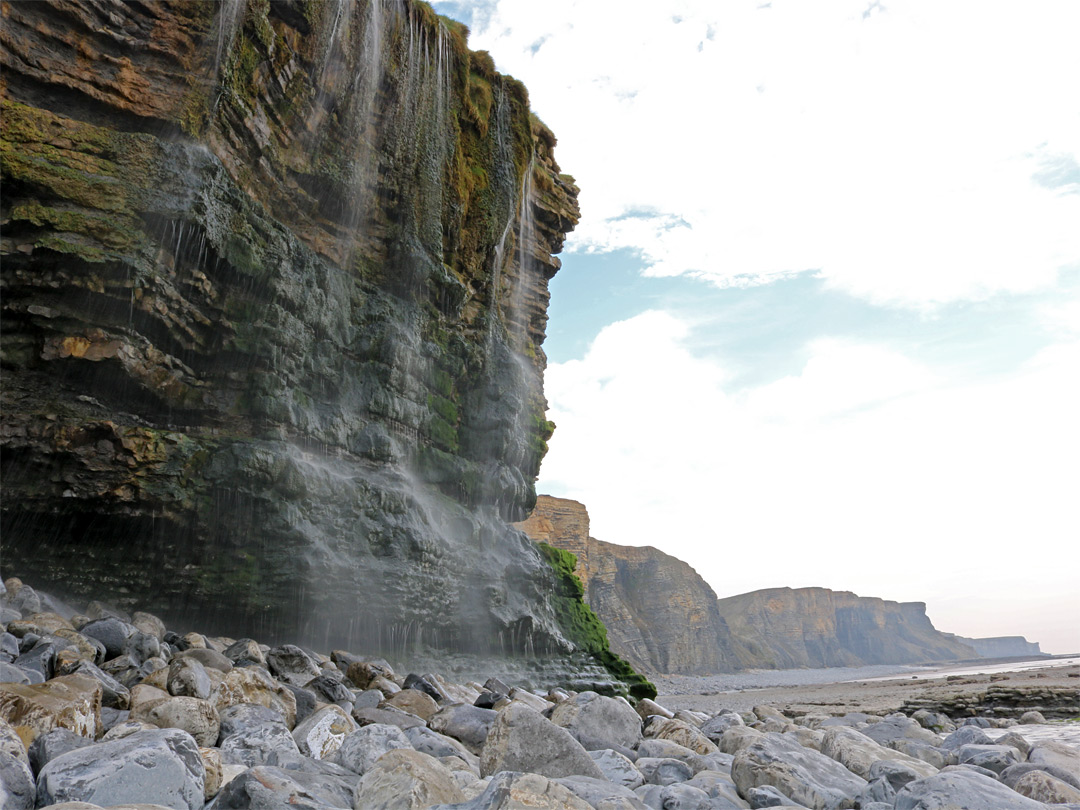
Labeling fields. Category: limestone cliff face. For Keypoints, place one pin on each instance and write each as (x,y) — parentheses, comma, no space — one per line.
(274,288)
(1001,646)
(660,615)
(817,627)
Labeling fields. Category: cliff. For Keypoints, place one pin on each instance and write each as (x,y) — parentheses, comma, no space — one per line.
(660,615)
(816,627)
(274,287)
(1001,646)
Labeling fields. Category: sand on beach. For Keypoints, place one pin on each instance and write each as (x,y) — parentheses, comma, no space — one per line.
(795,692)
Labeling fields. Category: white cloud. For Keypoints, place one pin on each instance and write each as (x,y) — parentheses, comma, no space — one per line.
(904,156)
(867,471)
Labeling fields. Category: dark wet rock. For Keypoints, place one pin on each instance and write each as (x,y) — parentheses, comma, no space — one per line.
(488,700)
(209,658)
(306,701)
(464,723)
(362,748)
(329,689)
(52,744)
(425,684)
(114,772)
(523,740)
(112,632)
(291,665)
(188,677)
(808,777)
(20,597)
(955,788)
(245,652)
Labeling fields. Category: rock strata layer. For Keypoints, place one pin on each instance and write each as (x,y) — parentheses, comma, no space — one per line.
(274,286)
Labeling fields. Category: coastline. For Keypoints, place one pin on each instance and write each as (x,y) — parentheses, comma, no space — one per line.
(874,690)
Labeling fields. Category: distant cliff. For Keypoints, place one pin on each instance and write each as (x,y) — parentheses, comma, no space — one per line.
(816,627)
(660,615)
(1001,646)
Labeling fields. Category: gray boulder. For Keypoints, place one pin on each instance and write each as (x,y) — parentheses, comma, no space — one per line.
(766,796)
(269,788)
(960,788)
(715,726)
(681,796)
(112,632)
(1043,787)
(114,695)
(966,735)
(211,659)
(52,744)
(245,652)
(404,779)
(720,787)
(1013,773)
(994,758)
(254,735)
(1056,754)
(666,749)
(661,771)
(599,722)
(468,724)
(524,740)
(601,793)
(16,783)
(115,772)
(438,745)
(617,768)
(360,750)
(291,665)
(808,777)
(187,677)
(403,720)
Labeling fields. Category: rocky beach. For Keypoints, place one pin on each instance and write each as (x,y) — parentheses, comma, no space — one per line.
(105,709)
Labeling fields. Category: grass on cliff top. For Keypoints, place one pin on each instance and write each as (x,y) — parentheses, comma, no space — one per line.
(583,627)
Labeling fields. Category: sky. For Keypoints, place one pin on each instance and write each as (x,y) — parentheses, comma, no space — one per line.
(819,324)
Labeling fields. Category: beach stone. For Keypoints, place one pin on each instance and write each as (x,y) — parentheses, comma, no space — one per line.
(244,653)
(738,737)
(959,788)
(255,735)
(148,623)
(306,701)
(266,787)
(254,685)
(516,791)
(362,673)
(427,684)
(966,735)
(897,774)
(388,716)
(360,750)
(40,655)
(934,721)
(9,646)
(766,796)
(114,772)
(17,789)
(598,722)
(9,673)
(126,729)
(534,702)
(994,758)
(368,699)
(647,708)
(187,677)
(897,727)
(617,768)
(1057,754)
(209,658)
(41,623)
(808,777)
(467,724)
(321,734)
(682,796)
(524,740)
(720,788)
(601,793)
(682,733)
(197,717)
(1011,775)
(114,694)
(415,702)
(388,687)
(70,701)
(663,771)
(1042,787)
(1032,718)
(671,750)
(440,746)
(52,744)
(404,779)
(112,632)
(857,752)
(212,765)
(1016,741)
(330,689)
(489,700)
(289,664)
(715,726)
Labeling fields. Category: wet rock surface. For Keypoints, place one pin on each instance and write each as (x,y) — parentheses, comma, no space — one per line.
(560,749)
